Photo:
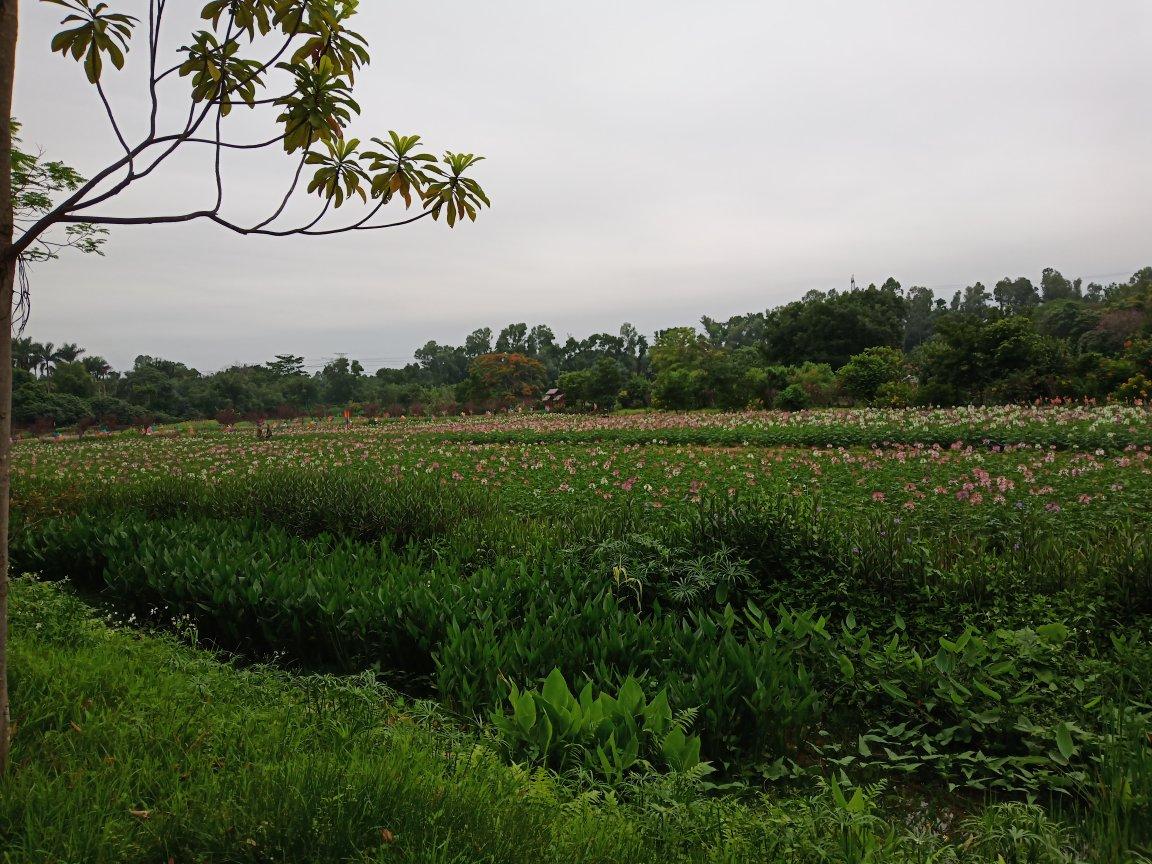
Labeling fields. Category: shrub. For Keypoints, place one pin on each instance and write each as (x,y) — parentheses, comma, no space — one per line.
(792,398)
(600,735)
(866,373)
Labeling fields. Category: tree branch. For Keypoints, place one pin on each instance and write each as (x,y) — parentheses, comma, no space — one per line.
(155,21)
(238,229)
(68,211)
(112,120)
(288,196)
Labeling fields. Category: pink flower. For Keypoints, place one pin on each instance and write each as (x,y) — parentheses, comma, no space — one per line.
(878,496)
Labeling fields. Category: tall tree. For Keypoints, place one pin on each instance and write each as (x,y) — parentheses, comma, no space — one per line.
(505,379)
(286,365)
(69,352)
(1053,286)
(513,339)
(47,356)
(301,52)
(478,342)
(921,314)
(1015,295)
(24,353)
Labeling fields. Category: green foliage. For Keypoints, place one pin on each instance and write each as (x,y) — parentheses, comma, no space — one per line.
(605,736)
(1093,345)
(1020,834)
(863,376)
(189,757)
(218,73)
(399,170)
(505,379)
(35,182)
(33,402)
(321,54)
(73,379)
(643,566)
(830,327)
(637,392)
(811,629)
(453,194)
(98,33)
(792,398)
(599,387)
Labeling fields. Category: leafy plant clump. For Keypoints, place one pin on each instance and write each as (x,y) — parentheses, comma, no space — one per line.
(601,735)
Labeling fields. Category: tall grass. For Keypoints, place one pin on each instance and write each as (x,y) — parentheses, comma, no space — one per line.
(134,748)
(809,641)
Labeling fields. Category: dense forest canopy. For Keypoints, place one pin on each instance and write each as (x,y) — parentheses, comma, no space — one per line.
(1016,341)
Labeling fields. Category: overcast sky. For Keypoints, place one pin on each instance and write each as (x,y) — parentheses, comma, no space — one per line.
(648,161)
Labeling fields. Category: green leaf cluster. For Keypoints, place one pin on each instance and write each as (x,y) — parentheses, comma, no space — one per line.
(321,57)
(97,33)
(600,734)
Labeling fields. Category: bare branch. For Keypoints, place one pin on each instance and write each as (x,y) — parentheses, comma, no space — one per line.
(327,232)
(238,229)
(138,220)
(288,196)
(230,146)
(155,21)
(112,120)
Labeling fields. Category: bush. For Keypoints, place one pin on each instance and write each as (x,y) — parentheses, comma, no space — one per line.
(895,394)
(1138,387)
(600,735)
(32,402)
(116,412)
(637,393)
(866,373)
(934,393)
(187,758)
(792,398)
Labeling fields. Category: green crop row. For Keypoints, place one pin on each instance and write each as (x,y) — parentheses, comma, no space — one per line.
(1085,438)
(133,748)
(769,689)
(1082,435)
(995,566)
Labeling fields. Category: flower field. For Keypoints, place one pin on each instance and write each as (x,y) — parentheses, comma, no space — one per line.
(1023,459)
(927,605)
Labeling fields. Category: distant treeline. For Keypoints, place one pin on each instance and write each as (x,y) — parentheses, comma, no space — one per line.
(877,345)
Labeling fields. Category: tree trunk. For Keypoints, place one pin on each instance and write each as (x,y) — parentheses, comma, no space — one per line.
(9,17)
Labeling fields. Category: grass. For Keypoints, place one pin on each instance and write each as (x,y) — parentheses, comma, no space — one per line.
(851,632)
(134,747)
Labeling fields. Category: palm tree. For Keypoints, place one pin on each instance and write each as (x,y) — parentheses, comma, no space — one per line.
(97,366)
(100,369)
(44,353)
(47,356)
(69,352)
(24,353)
